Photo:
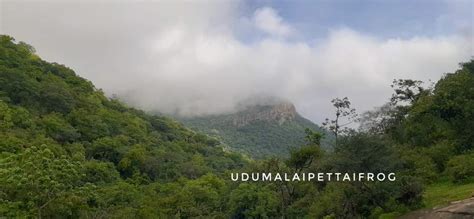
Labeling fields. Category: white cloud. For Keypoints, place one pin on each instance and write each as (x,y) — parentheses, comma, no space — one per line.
(267,19)
(185,57)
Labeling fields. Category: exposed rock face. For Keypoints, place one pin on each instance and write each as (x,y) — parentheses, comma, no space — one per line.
(281,113)
(456,210)
(259,128)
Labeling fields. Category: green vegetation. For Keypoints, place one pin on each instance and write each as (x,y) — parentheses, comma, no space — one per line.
(68,151)
(442,193)
(260,138)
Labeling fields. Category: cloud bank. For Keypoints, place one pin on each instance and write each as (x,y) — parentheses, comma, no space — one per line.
(190,57)
(267,19)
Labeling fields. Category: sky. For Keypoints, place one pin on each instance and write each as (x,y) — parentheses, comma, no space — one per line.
(206,57)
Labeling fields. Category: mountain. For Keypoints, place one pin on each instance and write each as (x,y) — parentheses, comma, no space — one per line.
(259,130)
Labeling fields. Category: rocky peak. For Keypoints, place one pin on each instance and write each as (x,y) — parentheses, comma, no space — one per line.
(279,112)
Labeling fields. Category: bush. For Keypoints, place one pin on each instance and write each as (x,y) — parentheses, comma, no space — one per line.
(461,168)
(410,193)
(440,154)
(416,163)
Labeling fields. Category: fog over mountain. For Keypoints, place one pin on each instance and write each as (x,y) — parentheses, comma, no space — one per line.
(199,58)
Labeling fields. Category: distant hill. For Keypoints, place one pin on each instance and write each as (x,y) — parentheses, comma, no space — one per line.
(259,130)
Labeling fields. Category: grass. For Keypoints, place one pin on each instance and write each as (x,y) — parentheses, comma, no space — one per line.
(442,193)
(439,194)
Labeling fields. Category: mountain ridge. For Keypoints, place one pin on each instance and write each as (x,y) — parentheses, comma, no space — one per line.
(258,130)
(280,112)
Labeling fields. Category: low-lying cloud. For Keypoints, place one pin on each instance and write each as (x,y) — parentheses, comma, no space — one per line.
(190,58)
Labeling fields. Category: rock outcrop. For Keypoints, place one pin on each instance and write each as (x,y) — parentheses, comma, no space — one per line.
(281,113)
(463,209)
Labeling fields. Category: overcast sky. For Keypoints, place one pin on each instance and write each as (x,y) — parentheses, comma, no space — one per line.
(201,57)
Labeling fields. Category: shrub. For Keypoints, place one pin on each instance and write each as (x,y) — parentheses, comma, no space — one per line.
(461,168)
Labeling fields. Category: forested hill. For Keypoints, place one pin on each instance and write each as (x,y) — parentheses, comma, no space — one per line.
(263,129)
(65,148)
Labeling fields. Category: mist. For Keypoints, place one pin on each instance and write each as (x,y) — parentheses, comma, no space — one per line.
(201,58)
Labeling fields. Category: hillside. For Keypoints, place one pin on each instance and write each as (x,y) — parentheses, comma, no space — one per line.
(66,149)
(259,130)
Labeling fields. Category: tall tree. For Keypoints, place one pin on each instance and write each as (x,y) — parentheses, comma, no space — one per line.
(344,116)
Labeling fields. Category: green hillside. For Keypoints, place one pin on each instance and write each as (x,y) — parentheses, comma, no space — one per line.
(258,137)
(66,149)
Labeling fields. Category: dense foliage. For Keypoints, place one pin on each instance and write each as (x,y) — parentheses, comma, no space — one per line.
(67,151)
(258,139)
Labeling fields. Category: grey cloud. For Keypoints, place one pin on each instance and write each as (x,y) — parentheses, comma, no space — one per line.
(183,57)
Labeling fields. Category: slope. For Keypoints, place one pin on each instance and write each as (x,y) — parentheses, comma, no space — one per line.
(67,150)
(260,130)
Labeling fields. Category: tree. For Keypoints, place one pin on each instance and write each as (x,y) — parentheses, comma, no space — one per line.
(387,119)
(299,160)
(313,138)
(5,116)
(253,201)
(444,113)
(58,129)
(98,172)
(345,115)
(37,176)
(406,90)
